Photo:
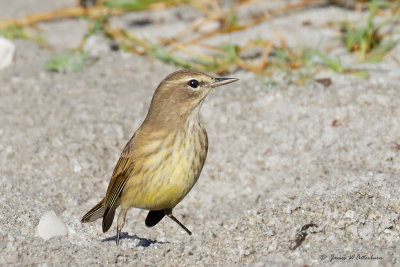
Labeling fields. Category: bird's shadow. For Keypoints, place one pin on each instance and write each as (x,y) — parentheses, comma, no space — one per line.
(143,242)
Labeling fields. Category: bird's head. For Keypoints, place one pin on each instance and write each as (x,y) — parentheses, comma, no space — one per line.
(181,92)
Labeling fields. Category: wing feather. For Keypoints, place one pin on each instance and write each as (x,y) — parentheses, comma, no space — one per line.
(121,174)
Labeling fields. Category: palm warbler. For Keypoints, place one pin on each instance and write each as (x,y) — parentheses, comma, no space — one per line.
(163,160)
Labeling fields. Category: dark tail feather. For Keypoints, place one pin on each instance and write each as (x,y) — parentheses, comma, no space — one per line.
(95,213)
(154,217)
(108,218)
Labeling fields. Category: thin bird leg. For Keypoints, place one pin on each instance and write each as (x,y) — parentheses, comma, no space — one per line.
(180,224)
(118,236)
(120,223)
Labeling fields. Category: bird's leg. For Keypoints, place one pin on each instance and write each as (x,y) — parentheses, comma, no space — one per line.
(168,212)
(118,235)
(120,223)
(180,224)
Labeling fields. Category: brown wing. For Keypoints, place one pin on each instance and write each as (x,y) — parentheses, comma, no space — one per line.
(119,178)
(120,174)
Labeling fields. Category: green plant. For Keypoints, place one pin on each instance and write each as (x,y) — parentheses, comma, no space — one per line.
(67,62)
(137,5)
(368,40)
(17,32)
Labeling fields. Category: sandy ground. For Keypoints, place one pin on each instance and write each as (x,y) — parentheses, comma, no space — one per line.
(279,158)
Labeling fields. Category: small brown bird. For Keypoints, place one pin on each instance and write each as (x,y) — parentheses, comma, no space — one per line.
(163,160)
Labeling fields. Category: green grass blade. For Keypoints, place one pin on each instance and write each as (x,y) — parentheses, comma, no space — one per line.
(67,62)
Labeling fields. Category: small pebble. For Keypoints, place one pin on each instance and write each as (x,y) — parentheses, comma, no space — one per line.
(51,225)
(7,51)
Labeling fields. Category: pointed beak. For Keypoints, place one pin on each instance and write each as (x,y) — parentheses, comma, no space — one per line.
(222,81)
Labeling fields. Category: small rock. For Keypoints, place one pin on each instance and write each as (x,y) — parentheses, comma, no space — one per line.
(51,225)
(7,51)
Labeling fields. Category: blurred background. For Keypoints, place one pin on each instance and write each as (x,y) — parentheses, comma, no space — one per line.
(214,35)
(304,151)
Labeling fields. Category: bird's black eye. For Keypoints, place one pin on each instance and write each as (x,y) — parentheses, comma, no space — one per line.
(193,83)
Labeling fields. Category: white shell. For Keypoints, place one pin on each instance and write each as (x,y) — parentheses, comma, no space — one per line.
(51,225)
(7,51)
